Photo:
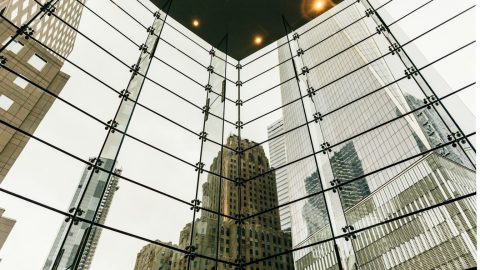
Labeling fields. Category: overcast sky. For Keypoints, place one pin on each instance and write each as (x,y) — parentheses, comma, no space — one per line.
(46,175)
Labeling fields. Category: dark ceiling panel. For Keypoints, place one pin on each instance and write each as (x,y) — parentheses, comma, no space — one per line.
(243,20)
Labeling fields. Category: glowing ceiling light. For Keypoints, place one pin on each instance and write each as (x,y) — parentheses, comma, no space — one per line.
(319,5)
(196,23)
(258,40)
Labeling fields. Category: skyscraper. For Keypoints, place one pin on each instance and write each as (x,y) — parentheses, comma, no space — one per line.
(276,145)
(341,104)
(263,235)
(21,103)
(70,254)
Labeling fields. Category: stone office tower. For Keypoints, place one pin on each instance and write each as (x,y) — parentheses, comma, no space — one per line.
(22,104)
(262,236)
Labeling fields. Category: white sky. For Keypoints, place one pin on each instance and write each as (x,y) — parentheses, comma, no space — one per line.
(50,177)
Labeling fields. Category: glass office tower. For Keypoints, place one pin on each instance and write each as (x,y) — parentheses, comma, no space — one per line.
(353,106)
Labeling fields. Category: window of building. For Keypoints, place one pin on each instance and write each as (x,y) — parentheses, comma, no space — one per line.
(5,102)
(14,46)
(20,82)
(37,62)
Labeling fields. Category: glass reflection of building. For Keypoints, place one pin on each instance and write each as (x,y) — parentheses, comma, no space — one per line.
(320,67)
(71,256)
(278,158)
(262,235)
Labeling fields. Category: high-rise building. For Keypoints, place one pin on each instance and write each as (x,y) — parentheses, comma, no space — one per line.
(263,235)
(443,238)
(278,157)
(343,96)
(155,257)
(21,103)
(68,254)
(6,226)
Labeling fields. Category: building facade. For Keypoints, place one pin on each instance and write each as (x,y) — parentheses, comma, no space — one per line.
(23,104)
(340,72)
(278,157)
(262,236)
(6,226)
(155,257)
(68,254)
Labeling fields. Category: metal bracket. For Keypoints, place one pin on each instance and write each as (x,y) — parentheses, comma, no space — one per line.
(208,88)
(300,52)
(239,182)
(95,163)
(190,252)
(143,48)
(157,14)
(380,29)
(335,183)
(124,94)
(203,136)
(349,230)
(239,102)
(26,30)
(296,36)
(135,69)
(151,30)
(3,61)
(210,69)
(369,12)
(196,204)
(411,71)
(48,9)
(430,100)
(239,83)
(305,70)
(111,125)
(456,137)
(239,124)
(394,48)
(317,117)
(212,52)
(199,167)
(238,66)
(240,263)
(311,92)
(239,218)
(326,147)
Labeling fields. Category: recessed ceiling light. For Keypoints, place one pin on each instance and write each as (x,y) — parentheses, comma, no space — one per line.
(258,40)
(196,23)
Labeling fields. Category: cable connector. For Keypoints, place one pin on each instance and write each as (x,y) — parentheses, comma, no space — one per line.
(124,94)
(394,48)
(410,72)
(317,117)
(326,147)
(335,185)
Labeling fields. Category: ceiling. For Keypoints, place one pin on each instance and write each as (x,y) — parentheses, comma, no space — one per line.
(244,20)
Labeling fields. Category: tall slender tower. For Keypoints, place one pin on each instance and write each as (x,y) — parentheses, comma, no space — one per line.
(70,255)
(278,157)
